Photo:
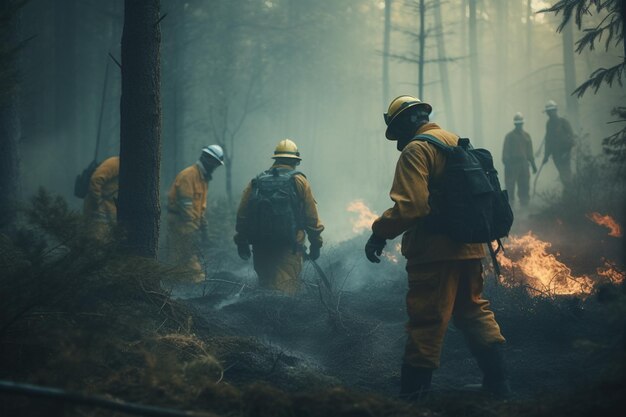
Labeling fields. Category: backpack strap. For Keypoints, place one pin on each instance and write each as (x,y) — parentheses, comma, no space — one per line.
(294,172)
(438,143)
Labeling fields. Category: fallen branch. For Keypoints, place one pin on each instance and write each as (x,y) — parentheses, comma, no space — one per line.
(30,390)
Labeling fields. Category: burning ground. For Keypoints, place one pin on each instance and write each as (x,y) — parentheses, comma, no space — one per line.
(549,310)
(231,349)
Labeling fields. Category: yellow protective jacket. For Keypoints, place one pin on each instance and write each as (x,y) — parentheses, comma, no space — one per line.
(101,200)
(419,163)
(187,200)
(307,211)
(518,147)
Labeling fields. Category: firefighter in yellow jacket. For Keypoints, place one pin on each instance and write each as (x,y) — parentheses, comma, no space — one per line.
(517,156)
(100,206)
(187,201)
(444,277)
(277,209)
(559,141)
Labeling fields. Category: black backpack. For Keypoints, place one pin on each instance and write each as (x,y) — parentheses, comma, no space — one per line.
(272,209)
(467,202)
(81,184)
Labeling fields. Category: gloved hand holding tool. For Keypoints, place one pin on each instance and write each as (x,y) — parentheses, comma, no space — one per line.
(244,251)
(374,248)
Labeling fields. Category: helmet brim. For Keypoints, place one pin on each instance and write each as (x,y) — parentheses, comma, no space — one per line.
(286,155)
(212,156)
(429,110)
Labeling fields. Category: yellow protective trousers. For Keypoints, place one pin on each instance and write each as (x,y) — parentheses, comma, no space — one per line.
(278,268)
(437,292)
(517,174)
(183,251)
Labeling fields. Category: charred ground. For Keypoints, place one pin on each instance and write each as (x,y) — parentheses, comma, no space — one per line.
(88,319)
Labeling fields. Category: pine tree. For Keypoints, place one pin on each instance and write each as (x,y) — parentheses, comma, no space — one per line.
(611,31)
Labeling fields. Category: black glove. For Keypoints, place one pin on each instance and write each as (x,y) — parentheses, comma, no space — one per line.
(534,169)
(244,251)
(374,247)
(314,252)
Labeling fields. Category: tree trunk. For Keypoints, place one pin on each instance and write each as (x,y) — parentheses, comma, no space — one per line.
(172,90)
(529,48)
(622,10)
(386,51)
(10,129)
(443,69)
(228,165)
(569,67)
(475,74)
(140,127)
(422,47)
(464,51)
(65,97)
(502,30)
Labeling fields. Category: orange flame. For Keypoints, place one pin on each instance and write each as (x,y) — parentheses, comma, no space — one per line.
(365,216)
(540,270)
(610,272)
(394,255)
(615,230)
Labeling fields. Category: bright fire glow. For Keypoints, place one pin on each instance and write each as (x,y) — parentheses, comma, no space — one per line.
(365,216)
(610,272)
(607,221)
(541,271)
(394,254)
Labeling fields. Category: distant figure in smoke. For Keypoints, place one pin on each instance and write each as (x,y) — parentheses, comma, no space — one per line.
(559,141)
(276,209)
(100,207)
(187,200)
(517,156)
(444,276)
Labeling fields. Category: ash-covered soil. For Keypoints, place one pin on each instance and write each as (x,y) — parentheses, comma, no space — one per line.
(89,319)
(354,335)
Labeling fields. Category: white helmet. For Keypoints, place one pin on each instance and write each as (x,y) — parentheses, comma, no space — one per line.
(550,105)
(214,151)
(518,119)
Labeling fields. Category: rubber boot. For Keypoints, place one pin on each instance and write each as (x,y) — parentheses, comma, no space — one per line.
(491,361)
(414,383)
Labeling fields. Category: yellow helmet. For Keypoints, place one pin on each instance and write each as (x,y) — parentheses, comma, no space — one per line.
(286,148)
(400,104)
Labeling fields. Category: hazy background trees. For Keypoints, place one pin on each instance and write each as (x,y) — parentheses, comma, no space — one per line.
(247,73)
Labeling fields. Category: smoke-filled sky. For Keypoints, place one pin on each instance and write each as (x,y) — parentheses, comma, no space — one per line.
(259,71)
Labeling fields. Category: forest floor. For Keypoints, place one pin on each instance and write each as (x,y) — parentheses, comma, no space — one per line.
(355,338)
(93,323)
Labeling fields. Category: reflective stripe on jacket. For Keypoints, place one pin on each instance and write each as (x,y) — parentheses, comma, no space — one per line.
(187,198)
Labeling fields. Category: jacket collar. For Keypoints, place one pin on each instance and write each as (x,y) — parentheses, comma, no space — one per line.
(284,166)
(426,127)
(203,173)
